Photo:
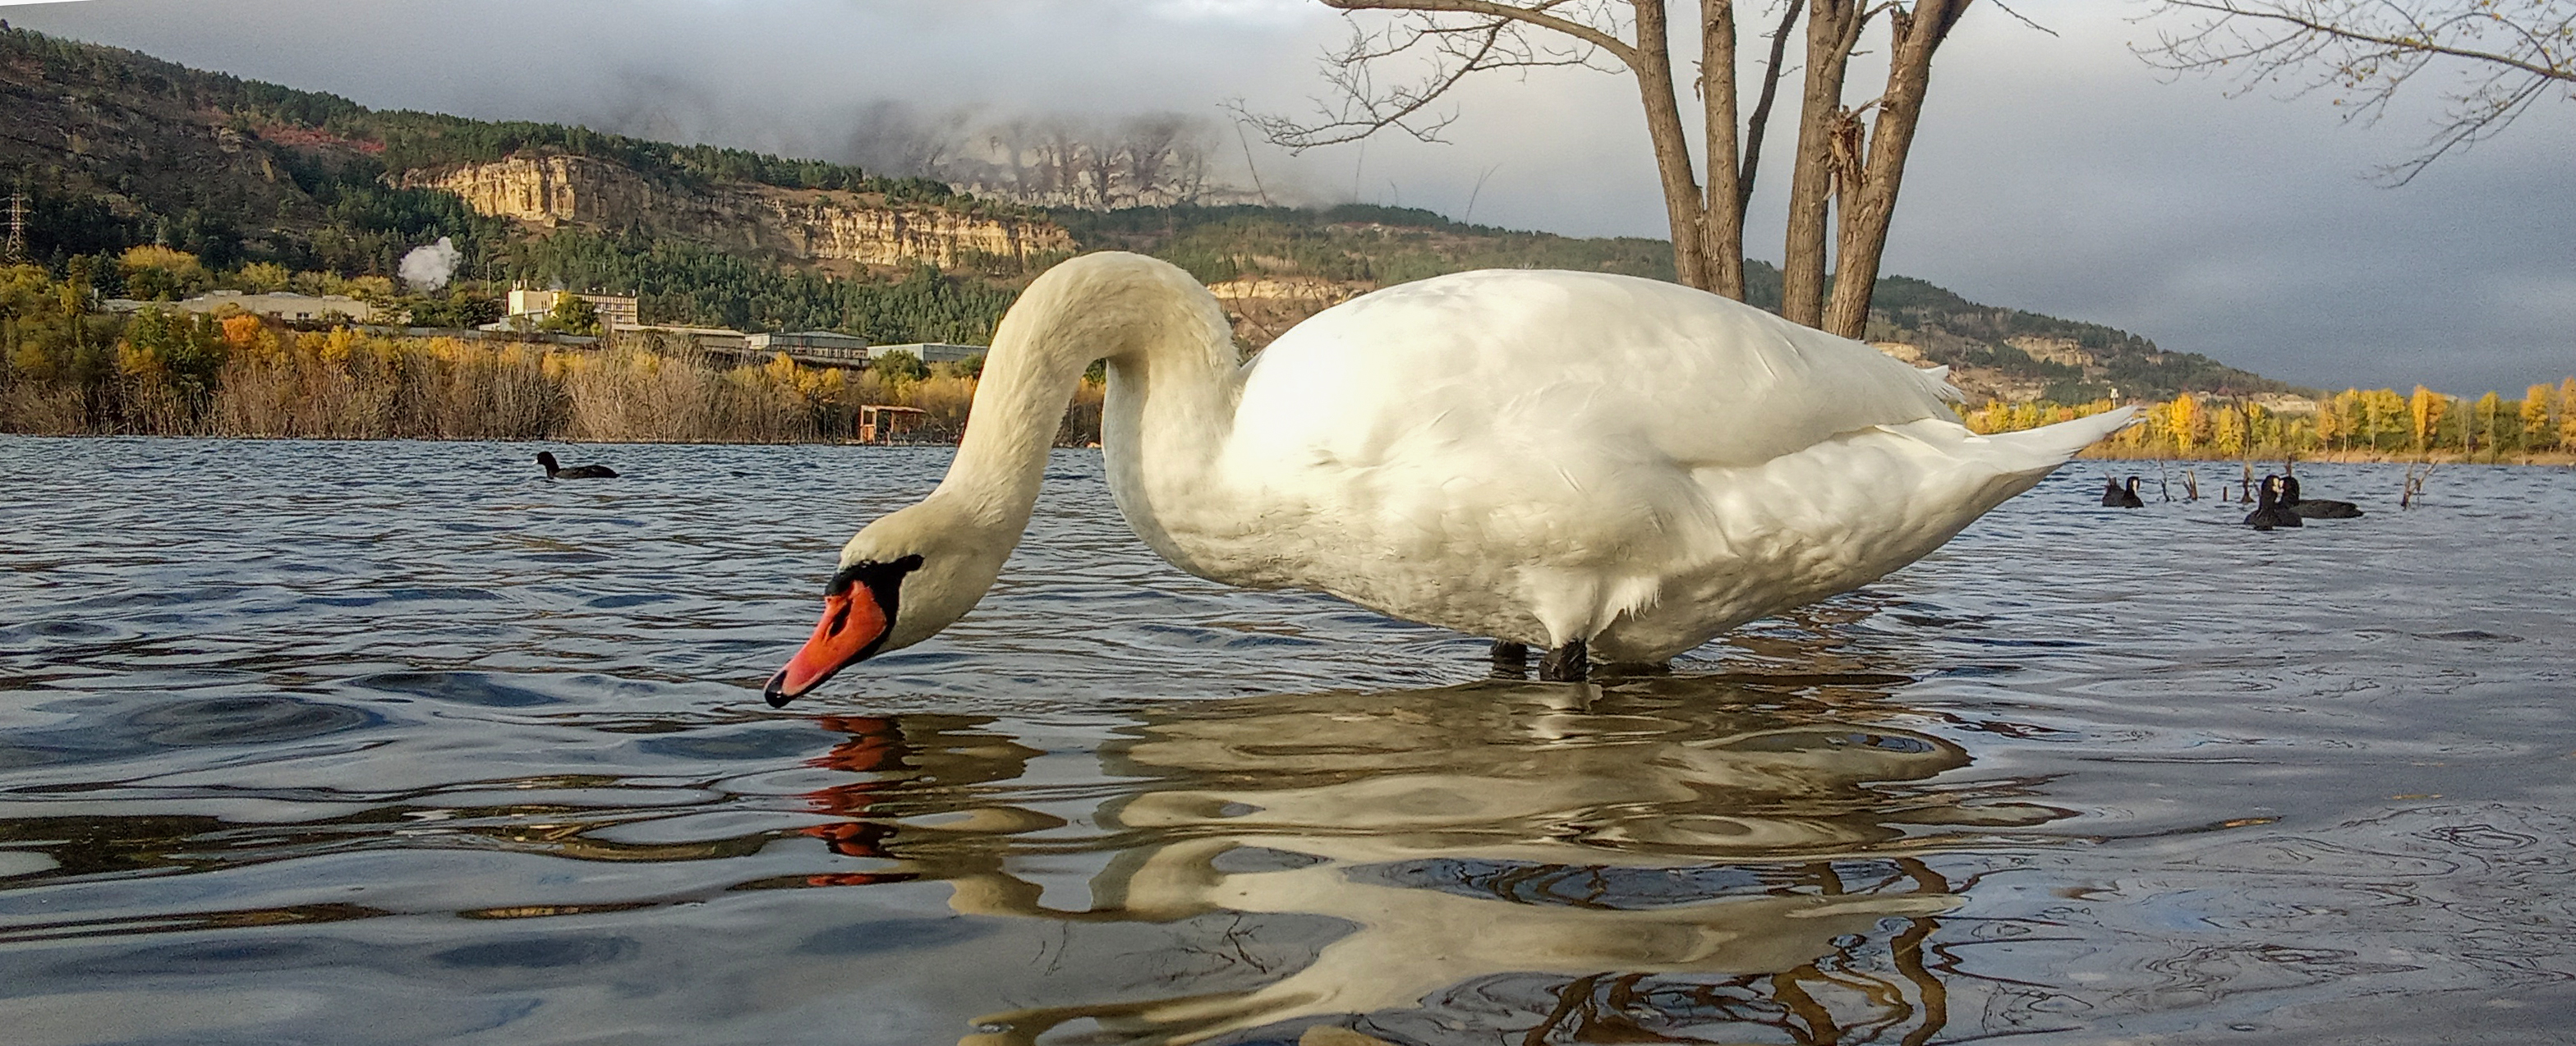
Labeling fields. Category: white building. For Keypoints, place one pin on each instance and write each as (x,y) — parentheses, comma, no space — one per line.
(614,310)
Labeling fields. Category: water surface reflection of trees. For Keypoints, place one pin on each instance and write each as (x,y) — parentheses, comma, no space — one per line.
(1673,859)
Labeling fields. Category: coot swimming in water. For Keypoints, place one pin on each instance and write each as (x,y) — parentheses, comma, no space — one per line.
(2270,513)
(555,469)
(2319,508)
(2114,497)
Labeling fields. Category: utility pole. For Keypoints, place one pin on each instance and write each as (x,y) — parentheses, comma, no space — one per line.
(16,251)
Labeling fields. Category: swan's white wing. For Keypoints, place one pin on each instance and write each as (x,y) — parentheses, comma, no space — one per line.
(1571,363)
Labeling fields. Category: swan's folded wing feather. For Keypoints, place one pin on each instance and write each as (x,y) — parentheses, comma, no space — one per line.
(1567,367)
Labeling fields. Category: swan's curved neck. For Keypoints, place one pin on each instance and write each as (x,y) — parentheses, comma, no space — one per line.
(1170,401)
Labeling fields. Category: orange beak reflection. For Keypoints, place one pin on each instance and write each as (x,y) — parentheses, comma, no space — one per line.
(852,627)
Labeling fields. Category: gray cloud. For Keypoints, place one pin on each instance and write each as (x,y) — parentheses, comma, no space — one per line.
(2056,174)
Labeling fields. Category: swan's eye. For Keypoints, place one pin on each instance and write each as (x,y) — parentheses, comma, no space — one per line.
(872,572)
(842,581)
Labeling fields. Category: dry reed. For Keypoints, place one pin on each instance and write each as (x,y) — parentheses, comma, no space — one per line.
(349,385)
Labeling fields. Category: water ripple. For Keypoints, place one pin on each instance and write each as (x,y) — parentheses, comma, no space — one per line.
(398,742)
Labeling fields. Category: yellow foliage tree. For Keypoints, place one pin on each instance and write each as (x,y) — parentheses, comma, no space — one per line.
(2387,411)
(2425,408)
(156,272)
(2567,414)
(2489,417)
(2537,433)
(2183,418)
(2227,432)
(2334,421)
(263,277)
(242,331)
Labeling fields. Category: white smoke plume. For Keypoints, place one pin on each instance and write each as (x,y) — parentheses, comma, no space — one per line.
(429,268)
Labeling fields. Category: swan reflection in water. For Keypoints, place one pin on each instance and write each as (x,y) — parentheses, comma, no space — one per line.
(1669,856)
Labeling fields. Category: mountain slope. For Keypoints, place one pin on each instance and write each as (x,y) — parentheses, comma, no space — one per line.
(117,148)
(1274,266)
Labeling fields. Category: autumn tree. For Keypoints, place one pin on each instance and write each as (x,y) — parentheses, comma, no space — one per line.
(2425,409)
(2536,431)
(2383,412)
(155,273)
(2184,418)
(2567,414)
(2227,432)
(2488,419)
(2508,55)
(1844,175)
(2334,421)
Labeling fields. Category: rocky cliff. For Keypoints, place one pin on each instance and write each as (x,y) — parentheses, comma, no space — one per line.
(807,225)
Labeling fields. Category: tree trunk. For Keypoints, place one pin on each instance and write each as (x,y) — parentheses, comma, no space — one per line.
(1833,27)
(1724,224)
(1653,68)
(1869,195)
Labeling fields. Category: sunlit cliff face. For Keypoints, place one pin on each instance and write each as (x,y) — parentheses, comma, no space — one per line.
(804,225)
(1474,832)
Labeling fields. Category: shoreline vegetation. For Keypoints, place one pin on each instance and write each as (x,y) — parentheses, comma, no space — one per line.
(65,370)
(345,384)
(2355,425)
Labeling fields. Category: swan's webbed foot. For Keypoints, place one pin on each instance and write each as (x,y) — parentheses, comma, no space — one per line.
(1511,660)
(1570,663)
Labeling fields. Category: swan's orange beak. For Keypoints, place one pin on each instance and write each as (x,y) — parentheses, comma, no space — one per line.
(853,626)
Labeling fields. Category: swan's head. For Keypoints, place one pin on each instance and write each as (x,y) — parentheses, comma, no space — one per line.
(901,580)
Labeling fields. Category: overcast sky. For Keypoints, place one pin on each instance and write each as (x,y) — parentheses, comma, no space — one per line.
(2057,174)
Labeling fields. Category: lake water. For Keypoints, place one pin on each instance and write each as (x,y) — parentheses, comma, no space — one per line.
(395,742)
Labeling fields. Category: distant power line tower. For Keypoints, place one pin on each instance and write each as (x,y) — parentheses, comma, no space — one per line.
(16,251)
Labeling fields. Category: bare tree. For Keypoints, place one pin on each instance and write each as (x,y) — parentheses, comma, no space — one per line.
(2512,54)
(1844,178)
(1154,159)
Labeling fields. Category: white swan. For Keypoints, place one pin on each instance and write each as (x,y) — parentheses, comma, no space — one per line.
(1562,459)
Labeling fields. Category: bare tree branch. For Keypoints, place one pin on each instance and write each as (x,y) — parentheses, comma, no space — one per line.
(2363,51)
(1540,14)
(1452,52)
(1762,108)
(2023,19)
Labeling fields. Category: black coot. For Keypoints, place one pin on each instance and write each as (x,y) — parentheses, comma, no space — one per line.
(2270,513)
(2316,509)
(555,469)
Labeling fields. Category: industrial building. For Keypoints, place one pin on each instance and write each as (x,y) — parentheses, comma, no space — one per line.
(930,351)
(289,308)
(816,345)
(667,338)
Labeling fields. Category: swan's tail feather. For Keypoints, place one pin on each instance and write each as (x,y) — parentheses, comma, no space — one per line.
(1939,379)
(2046,447)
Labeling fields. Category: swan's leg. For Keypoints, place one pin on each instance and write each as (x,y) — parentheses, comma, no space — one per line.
(1566,664)
(1510,656)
